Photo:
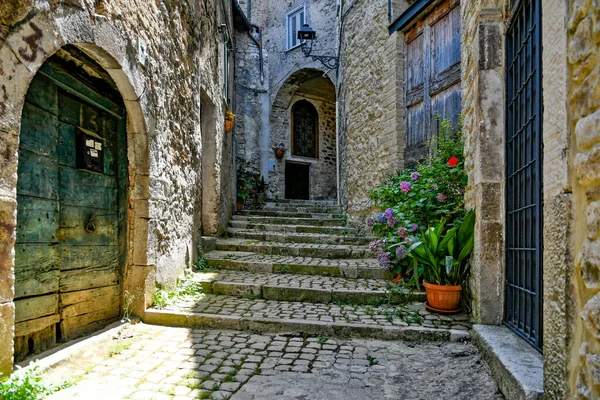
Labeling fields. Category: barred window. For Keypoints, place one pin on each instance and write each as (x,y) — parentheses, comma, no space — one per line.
(304,129)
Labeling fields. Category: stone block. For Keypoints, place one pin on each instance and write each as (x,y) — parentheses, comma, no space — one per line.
(34,41)
(580,46)
(140,282)
(74,26)
(591,316)
(590,264)
(236,289)
(9,145)
(587,131)
(279,293)
(587,166)
(7,332)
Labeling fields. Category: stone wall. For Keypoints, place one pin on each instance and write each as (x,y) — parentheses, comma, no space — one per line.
(371,103)
(162,98)
(583,50)
(261,123)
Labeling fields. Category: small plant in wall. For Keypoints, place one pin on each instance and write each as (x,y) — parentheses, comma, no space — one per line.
(229,120)
(279,151)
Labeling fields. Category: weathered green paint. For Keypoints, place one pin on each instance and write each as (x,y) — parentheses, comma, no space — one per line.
(71,223)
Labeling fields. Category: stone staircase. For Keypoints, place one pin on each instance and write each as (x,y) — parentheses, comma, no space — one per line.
(295,267)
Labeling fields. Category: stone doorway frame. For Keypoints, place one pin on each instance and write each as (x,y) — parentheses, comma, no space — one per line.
(23,52)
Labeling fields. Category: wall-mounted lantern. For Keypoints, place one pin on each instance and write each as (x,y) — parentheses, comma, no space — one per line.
(307,36)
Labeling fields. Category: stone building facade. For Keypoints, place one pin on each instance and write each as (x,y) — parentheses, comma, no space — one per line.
(265,101)
(371,102)
(162,66)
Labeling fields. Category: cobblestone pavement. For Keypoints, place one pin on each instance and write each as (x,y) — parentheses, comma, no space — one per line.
(403,315)
(150,362)
(297,281)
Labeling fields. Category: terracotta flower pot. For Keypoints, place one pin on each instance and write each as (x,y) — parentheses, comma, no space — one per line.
(228,125)
(239,204)
(279,153)
(443,298)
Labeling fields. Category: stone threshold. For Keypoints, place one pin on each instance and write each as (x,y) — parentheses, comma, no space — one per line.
(252,262)
(265,286)
(301,327)
(64,352)
(517,367)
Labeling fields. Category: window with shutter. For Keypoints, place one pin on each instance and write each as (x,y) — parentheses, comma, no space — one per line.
(432,77)
(294,21)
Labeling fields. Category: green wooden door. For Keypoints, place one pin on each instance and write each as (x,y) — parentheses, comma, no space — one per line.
(70,221)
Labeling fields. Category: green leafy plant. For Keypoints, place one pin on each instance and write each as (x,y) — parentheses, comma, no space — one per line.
(25,386)
(201,264)
(444,256)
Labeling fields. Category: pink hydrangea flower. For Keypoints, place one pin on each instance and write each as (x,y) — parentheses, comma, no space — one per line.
(405,187)
(441,197)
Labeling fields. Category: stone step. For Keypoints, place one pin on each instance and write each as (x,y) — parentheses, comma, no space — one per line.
(408,322)
(285,214)
(318,238)
(301,209)
(290,221)
(333,251)
(302,203)
(252,262)
(332,230)
(305,288)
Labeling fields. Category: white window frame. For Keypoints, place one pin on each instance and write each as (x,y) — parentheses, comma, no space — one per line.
(288,17)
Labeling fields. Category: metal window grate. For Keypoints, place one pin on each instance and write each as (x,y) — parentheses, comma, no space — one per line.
(304,117)
(523,283)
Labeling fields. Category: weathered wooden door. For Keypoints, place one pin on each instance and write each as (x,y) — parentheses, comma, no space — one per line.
(432,77)
(70,215)
(524,166)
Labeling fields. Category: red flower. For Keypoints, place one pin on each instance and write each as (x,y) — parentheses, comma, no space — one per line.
(453,161)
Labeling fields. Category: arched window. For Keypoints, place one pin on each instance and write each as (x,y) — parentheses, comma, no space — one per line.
(305,121)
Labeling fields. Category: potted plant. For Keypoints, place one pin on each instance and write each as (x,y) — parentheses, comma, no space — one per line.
(229,120)
(442,259)
(279,151)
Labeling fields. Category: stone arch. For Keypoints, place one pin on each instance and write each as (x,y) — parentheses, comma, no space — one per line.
(315,87)
(23,52)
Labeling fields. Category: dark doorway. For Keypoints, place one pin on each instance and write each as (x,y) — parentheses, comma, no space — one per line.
(296,181)
(523,308)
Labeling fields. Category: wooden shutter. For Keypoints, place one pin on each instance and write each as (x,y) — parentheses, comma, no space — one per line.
(432,76)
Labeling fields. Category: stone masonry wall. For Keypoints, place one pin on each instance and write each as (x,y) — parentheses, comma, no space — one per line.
(163,103)
(371,103)
(584,110)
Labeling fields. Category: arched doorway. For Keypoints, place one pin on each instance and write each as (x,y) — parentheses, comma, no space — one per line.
(70,249)
(303,119)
